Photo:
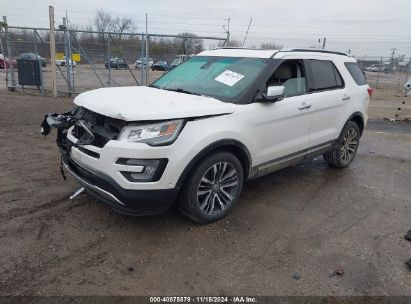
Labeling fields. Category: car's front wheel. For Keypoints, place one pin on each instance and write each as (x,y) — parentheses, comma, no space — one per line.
(212,188)
(346,147)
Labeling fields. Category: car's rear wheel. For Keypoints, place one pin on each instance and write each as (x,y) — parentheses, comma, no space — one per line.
(212,188)
(346,148)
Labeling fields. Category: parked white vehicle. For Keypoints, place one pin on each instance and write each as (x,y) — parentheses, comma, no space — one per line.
(407,87)
(217,120)
(376,68)
(62,62)
(141,63)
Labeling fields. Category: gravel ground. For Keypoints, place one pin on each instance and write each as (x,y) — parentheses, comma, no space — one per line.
(288,234)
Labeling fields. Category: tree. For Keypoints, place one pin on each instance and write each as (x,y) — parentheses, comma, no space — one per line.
(271,46)
(188,44)
(102,21)
(105,22)
(122,25)
(233,43)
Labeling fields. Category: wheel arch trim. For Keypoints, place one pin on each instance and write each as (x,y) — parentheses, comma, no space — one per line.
(220,144)
(356,114)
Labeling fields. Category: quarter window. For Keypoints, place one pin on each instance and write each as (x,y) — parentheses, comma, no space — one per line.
(323,75)
(356,73)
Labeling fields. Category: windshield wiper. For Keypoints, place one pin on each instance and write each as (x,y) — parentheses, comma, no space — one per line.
(182,91)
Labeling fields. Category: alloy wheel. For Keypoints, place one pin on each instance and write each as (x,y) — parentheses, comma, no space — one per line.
(217,188)
(349,145)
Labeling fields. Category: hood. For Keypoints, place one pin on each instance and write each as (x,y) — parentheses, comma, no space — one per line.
(146,103)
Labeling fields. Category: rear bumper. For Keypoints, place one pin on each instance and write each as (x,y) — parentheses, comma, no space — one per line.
(126,201)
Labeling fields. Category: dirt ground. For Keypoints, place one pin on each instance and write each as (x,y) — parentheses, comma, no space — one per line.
(288,233)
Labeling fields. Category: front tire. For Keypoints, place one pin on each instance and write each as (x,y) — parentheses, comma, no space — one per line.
(346,148)
(212,188)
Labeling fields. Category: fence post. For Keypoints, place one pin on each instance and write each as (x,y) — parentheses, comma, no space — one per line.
(40,64)
(71,57)
(408,70)
(69,62)
(108,59)
(146,58)
(53,52)
(378,75)
(146,63)
(141,57)
(11,65)
(2,49)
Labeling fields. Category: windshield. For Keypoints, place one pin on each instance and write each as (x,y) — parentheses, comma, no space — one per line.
(219,77)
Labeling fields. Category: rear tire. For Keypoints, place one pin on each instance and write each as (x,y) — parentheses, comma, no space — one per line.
(212,188)
(346,147)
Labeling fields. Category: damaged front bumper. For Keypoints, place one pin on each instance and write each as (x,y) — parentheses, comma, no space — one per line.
(126,201)
(79,133)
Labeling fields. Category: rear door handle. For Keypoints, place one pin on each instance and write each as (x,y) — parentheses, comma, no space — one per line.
(304,106)
(345,98)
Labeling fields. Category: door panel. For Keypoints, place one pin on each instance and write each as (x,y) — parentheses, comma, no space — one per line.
(279,128)
(329,99)
(327,108)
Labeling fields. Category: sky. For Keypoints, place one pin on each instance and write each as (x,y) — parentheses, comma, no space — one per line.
(291,21)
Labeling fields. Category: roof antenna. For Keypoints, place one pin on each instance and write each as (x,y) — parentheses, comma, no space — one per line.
(248,28)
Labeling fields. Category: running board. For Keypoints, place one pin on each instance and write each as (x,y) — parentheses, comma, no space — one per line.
(291,159)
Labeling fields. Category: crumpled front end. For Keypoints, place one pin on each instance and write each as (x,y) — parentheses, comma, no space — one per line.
(90,152)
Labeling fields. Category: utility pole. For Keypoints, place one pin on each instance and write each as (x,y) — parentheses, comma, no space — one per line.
(392,61)
(146,63)
(248,28)
(227,30)
(11,66)
(53,52)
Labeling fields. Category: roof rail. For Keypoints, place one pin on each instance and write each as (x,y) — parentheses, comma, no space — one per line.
(237,48)
(313,50)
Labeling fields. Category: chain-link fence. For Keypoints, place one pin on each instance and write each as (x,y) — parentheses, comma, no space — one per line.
(88,60)
(385,63)
(103,59)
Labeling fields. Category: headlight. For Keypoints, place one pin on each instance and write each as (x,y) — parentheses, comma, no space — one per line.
(153,135)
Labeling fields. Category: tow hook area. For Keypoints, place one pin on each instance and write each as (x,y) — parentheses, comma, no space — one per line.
(62,122)
(57,120)
(77,193)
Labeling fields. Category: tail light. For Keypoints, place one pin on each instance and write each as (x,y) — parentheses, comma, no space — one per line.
(369,91)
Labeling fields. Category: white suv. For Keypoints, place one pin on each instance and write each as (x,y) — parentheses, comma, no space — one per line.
(201,130)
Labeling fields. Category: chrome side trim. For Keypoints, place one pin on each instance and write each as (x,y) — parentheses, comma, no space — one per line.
(285,161)
(93,187)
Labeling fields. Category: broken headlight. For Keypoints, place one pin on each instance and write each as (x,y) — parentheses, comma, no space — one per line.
(154,135)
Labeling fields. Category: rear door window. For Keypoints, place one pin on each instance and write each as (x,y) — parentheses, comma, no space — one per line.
(356,73)
(323,75)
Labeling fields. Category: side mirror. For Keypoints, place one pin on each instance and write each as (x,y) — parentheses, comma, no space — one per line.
(274,94)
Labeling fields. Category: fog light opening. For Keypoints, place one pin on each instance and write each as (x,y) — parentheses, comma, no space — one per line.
(152,169)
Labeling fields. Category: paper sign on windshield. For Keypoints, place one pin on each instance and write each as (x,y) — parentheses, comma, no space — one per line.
(229,78)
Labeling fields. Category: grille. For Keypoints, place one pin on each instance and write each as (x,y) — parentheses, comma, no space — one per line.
(103,128)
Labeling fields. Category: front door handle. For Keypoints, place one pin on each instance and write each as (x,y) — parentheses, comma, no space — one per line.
(345,98)
(304,106)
